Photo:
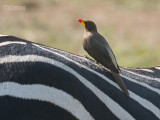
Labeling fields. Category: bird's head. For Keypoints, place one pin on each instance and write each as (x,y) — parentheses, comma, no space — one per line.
(89,25)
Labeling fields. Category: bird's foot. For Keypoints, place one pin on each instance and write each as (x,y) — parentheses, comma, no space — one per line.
(100,65)
(88,58)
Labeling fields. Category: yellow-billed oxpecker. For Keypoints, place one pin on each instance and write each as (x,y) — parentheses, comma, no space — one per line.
(97,47)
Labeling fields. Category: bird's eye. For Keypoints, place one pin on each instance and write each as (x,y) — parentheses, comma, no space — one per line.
(87,23)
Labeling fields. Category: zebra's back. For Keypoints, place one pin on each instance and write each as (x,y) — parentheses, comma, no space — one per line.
(38,82)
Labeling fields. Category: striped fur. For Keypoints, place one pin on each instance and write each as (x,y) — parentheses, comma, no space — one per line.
(38,82)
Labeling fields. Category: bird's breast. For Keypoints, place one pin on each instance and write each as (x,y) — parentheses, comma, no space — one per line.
(86,40)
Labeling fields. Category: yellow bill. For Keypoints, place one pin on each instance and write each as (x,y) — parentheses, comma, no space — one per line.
(81,21)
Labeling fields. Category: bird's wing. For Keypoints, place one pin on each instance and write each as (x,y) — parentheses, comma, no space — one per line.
(101,51)
(112,56)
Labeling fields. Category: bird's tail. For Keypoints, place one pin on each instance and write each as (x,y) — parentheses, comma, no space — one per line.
(120,82)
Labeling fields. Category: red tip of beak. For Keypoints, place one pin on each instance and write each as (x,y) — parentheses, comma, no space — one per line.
(80,20)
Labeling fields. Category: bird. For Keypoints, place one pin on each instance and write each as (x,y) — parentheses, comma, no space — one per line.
(98,48)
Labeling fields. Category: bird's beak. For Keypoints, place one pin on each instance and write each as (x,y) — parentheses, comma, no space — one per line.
(81,21)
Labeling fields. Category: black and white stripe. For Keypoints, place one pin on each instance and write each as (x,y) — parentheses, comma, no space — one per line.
(38,82)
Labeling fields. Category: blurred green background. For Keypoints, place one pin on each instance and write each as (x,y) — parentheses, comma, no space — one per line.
(132,27)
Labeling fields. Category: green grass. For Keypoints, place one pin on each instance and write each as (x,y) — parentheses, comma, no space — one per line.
(130,27)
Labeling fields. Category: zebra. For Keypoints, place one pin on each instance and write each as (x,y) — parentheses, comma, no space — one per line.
(38,82)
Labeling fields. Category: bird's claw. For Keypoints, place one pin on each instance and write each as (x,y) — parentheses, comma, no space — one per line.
(88,58)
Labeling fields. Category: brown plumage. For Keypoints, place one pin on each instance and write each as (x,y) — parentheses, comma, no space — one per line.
(97,47)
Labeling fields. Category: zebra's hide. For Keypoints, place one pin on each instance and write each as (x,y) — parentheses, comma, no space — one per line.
(42,83)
